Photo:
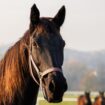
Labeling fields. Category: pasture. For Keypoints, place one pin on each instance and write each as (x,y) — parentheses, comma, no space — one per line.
(70,98)
(42,102)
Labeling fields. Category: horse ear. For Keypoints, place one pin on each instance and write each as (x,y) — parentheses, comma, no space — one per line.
(60,16)
(35,14)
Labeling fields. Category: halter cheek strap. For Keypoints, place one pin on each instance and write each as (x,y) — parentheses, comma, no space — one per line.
(40,74)
(31,61)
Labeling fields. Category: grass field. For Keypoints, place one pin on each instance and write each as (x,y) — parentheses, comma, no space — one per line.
(42,102)
(68,96)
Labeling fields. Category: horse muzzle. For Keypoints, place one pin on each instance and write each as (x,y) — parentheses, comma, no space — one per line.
(54,85)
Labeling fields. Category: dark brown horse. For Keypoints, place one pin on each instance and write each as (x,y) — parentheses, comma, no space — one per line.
(87,95)
(36,59)
(101,93)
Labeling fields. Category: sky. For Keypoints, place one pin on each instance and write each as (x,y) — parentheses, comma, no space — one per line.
(83,29)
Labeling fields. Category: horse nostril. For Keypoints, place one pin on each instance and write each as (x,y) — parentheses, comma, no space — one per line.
(52,86)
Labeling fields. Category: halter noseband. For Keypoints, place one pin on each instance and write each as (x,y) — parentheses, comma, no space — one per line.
(40,74)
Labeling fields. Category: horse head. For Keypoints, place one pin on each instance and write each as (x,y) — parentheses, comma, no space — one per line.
(46,54)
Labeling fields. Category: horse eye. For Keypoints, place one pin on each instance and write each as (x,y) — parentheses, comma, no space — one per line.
(38,41)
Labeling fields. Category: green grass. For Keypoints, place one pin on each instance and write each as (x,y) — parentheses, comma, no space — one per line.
(43,102)
(66,95)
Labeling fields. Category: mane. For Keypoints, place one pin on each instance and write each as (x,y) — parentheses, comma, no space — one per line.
(13,67)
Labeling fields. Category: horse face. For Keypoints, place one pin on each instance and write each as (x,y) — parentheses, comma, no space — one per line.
(47,52)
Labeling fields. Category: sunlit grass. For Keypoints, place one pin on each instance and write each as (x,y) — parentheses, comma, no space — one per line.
(67,95)
(43,102)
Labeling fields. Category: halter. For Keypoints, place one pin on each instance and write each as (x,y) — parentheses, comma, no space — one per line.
(40,74)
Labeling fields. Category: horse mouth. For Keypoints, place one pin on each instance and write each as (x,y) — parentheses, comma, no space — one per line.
(54,90)
(52,99)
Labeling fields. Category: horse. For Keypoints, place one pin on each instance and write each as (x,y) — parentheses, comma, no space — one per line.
(34,61)
(101,94)
(97,101)
(87,95)
(82,100)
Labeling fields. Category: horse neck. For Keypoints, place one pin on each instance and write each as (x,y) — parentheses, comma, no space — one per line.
(16,86)
(97,102)
(81,102)
(31,91)
(88,100)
